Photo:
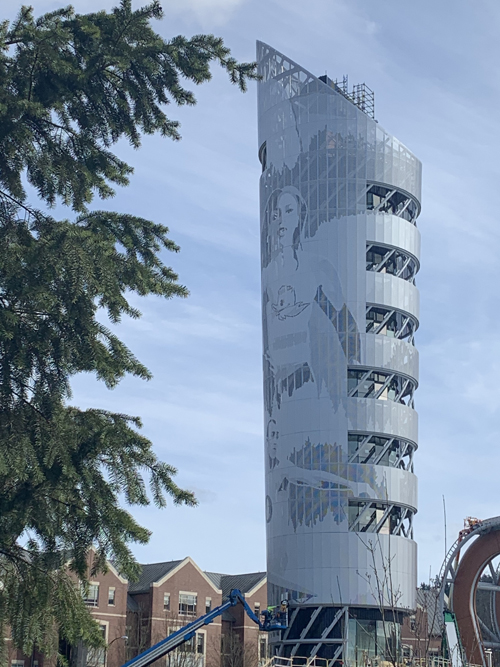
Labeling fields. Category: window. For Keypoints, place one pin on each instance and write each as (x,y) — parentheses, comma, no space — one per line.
(256,609)
(389,322)
(166,601)
(91,595)
(208,605)
(383,385)
(386,200)
(188,646)
(378,450)
(194,645)
(343,322)
(187,604)
(383,518)
(384,259)
(111,596)
(17,663)
(96,657)
(262,648)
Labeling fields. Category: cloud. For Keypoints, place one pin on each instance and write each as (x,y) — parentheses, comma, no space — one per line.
(195,323)
(207,13)
(204,495)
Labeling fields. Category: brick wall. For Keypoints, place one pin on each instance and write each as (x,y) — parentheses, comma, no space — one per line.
(187,579)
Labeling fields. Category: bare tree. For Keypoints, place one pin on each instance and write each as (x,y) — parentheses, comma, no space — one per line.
(387,595)
(424,624)
(143,633)
(232,651)
(227,651)
(189,654)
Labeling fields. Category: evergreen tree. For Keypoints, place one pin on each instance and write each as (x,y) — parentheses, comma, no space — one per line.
(70,87)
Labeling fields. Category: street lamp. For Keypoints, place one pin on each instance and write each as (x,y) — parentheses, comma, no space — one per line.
(116,639)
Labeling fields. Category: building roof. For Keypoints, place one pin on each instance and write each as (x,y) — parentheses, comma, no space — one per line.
(215,578)
(150,574)
(224,582)
(244,582)
(428,601)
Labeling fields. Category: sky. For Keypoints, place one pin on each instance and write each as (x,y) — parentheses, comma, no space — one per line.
(433,67)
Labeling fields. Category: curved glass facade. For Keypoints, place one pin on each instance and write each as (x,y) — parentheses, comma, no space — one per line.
(339,200)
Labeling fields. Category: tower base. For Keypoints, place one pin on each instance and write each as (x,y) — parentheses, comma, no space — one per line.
(354,636)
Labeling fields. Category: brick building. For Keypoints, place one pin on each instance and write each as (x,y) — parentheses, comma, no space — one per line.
(241,640)
(167,596)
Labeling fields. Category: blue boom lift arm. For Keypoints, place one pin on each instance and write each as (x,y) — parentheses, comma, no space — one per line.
(272,621)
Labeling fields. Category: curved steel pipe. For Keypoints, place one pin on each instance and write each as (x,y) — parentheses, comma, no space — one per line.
(461,577)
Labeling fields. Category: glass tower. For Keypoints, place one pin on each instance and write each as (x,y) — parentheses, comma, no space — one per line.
(339,200)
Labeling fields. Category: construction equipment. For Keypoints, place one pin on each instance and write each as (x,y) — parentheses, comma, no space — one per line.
(273,618)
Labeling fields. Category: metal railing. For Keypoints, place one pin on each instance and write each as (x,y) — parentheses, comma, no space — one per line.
(433,661)
(297,661)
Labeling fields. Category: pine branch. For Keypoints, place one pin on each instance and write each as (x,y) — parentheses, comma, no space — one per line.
(73,85)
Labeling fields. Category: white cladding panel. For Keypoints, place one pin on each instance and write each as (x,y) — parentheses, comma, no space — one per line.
(393,231)
(382,417)
(334,568)
(386,290)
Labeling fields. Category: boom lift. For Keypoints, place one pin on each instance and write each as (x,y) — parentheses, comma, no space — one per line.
(273,619)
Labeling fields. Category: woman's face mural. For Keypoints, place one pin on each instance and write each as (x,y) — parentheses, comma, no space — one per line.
(284,223)
(287,214)
(272,438)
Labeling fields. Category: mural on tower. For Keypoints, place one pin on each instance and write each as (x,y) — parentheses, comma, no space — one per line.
(340,425)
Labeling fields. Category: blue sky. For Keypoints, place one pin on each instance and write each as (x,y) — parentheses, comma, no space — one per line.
(433,66)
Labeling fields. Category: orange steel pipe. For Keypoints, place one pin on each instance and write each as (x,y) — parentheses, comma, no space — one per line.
(463,594)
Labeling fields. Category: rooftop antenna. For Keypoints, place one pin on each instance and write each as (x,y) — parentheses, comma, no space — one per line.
(445,541)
